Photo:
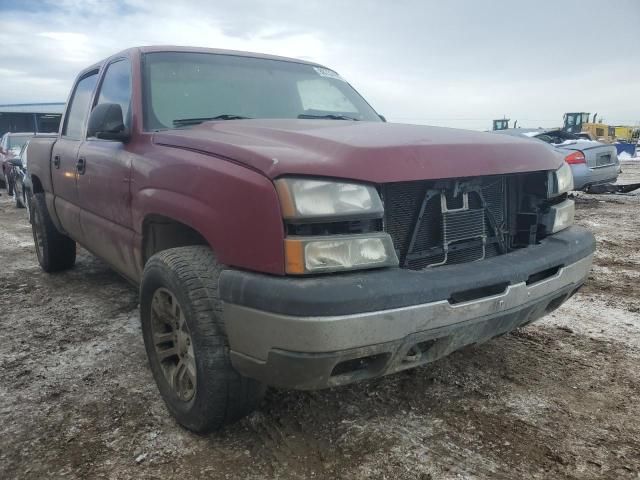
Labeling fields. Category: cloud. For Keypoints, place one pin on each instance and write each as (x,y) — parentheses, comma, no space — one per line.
(458,63)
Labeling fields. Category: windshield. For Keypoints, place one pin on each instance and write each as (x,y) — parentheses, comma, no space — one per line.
(179,87)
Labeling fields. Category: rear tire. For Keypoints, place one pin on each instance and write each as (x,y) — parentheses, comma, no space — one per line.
(19,199)
(9,183)
(186,341)
(28,199)
(55,250)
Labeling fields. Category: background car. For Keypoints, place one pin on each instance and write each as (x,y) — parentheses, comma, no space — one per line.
(20,178)
(10,147)
(592,163)
(17,178)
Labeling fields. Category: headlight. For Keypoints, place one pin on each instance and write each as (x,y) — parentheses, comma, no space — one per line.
(560,181)
(312,199)
(559,217)
(339,252)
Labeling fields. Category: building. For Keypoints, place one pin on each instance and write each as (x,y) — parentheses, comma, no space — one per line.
(30,117)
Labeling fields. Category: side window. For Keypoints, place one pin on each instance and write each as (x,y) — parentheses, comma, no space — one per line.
(116,87)
(79,107)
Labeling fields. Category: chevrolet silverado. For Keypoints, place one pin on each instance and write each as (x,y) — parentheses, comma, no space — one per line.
(282,233)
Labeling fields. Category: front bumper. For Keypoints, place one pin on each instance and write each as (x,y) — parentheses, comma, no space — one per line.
(308,333)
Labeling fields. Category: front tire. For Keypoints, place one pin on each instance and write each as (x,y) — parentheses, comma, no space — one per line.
(186,342)
(55,250)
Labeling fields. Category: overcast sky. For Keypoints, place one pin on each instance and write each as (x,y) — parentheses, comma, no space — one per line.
(453,63)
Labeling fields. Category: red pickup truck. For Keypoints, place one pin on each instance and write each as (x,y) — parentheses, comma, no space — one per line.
(282,233)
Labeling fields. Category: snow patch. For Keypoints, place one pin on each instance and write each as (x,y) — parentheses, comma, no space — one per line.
(627,156)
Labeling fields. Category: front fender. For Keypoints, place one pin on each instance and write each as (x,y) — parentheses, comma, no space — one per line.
(235,209)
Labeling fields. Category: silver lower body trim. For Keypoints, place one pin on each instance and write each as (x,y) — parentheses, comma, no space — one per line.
(254,333)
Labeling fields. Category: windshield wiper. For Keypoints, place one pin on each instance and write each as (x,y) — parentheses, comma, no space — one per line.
(185,122)
(330,116)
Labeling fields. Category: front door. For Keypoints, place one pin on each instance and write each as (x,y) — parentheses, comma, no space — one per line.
(104,180)
(64,156)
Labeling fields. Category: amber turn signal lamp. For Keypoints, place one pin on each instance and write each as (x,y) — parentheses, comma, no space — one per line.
(294,256)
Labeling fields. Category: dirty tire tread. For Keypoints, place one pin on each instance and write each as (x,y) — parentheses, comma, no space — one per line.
(223,396)
(59,251)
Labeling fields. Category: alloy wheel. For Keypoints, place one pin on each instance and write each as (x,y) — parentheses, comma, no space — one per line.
(38,237)
(172,344)
(27,205)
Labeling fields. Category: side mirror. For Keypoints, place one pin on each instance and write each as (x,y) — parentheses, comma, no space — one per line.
(106,122)
(16,162)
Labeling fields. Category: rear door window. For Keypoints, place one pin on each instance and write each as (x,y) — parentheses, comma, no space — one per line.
(78,111)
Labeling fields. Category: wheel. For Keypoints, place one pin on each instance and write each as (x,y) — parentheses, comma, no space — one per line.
(19,198)
(55,250)
(9,183)
(186,343)
(27,204)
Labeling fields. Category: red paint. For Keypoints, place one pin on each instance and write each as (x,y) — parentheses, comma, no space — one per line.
(217,177)
(366,151)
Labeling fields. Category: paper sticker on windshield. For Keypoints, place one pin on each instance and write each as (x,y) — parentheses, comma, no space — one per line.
(325,72)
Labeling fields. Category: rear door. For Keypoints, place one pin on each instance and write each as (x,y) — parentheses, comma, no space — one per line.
(104,179)
(65,156)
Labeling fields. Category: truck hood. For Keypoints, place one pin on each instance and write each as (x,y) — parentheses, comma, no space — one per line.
(366,151)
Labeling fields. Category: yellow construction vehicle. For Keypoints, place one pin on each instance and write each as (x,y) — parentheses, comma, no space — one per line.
(623,136)
(625,133)
(502,124)
(578,122)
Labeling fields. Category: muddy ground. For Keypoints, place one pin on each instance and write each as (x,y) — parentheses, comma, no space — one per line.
(558,399)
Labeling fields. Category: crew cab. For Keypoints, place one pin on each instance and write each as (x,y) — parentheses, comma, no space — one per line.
(282,233)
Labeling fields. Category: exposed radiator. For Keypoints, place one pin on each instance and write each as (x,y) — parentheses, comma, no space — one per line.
(440,223)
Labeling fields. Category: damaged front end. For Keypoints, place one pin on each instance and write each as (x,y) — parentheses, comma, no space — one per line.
(452,221)
(477,257)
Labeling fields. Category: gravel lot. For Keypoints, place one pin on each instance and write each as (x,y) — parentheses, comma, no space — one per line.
(558,399)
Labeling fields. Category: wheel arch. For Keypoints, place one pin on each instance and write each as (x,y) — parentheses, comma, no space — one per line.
(162,232)
(36,185)
(233,210)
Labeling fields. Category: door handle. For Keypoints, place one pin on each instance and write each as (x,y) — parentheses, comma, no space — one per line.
(56,161)
(81,166)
